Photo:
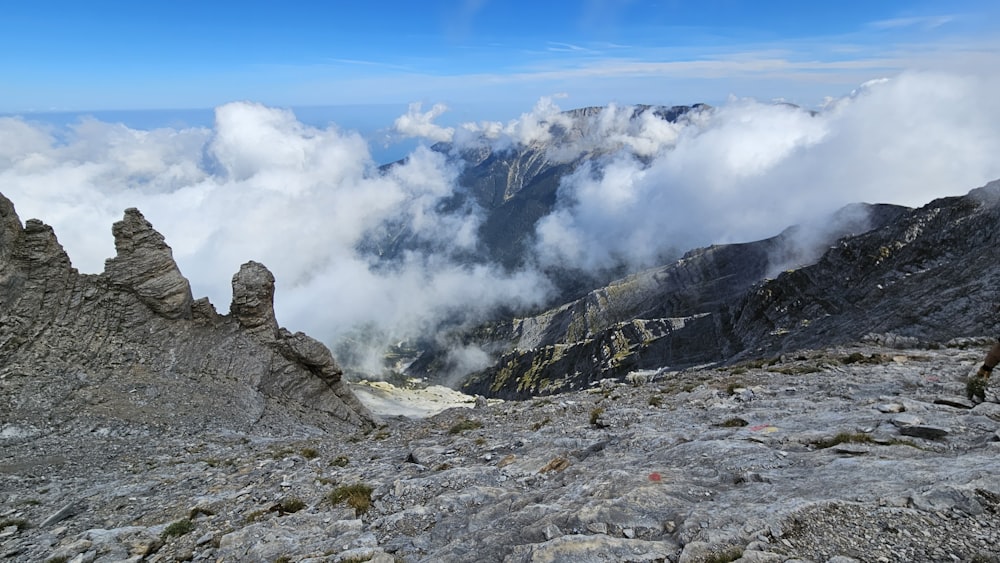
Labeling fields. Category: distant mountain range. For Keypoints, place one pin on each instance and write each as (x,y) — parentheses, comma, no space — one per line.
(928,274)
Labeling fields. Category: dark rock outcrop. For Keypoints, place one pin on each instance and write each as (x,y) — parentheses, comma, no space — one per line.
(131,345)
(918,275)
(675,315)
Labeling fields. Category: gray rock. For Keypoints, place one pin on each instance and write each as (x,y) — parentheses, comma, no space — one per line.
(903,420)
(67,511)
(588,549)
(145,265)
(129,344)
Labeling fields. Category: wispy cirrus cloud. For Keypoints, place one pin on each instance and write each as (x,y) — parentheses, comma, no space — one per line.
(921,22)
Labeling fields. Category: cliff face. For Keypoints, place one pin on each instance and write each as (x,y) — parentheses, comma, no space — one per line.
(920,275)
(131,344)
(932,275)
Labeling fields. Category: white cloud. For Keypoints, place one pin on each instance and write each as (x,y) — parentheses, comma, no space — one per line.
(748,169)
(421,124)
(260,185)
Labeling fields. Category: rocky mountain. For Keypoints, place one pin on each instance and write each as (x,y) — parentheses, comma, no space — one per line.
(131,348)
(515,185)
(926,274)
(746,403)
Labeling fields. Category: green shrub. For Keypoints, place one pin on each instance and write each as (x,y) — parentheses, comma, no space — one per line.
(538,425)
(735,422)
(178,528)
(21,523)
(357,496)
(595,417)
(309,453)
(463,425)
(656,401)
(340,461)
(843,438)
(292,504)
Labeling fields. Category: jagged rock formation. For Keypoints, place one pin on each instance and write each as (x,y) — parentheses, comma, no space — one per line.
(131,345)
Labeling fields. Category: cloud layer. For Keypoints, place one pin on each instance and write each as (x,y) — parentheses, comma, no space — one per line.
(261,185)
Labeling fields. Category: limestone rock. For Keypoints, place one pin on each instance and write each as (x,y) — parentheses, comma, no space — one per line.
(253,297)
(145,265)
(132,345)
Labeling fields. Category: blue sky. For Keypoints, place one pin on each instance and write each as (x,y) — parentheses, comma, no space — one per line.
(104,55)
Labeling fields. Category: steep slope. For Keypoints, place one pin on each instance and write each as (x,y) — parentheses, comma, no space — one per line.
(673,315)
(928,274)
(932,275)
(132,346)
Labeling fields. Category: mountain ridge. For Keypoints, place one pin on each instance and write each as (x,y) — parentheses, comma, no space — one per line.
(865,283)
(133,345)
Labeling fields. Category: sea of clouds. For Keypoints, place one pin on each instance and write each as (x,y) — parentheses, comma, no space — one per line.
(261,185)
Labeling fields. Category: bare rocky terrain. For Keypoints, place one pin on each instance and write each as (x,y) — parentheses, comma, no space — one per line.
(863,453)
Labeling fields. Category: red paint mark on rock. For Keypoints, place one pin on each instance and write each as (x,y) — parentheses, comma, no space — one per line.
(654,476)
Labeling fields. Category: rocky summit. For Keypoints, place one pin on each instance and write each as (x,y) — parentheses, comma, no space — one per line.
(138,424)
(132,349)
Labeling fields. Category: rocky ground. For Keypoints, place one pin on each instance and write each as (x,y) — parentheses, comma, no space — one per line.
(858,453)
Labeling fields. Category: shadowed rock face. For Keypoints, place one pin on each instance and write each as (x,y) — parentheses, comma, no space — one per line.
(132,345)
(926,275)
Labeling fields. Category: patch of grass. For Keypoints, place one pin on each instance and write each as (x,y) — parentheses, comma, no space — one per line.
(58,559)
(283,559)
(178,528)
(538,425)
(735,422)
(381,435)
(463,425)
(21,523)
(732,386)
(859,358)
(797,370)
(309,453)
(256,515)
(844,438)
(975,388)
(655,401)
(340,461)
(291,505)
(480,441)
(728,556)
(595,417)
(357,496)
